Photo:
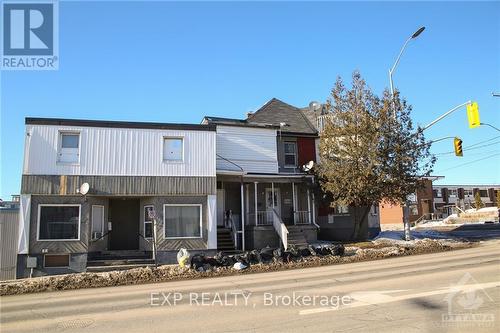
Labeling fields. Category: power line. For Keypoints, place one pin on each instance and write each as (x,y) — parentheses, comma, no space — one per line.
(468,148)
(480,142)
(464,164)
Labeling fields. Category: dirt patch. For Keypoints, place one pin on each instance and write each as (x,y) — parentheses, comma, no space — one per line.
(380,250)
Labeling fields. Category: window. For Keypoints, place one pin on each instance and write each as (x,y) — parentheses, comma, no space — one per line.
(453,193)
(56,260)
(374,209)
(290,154)
(69,147)
(58,222)
(413,210)
(467,192)
(437,193)
(182,221)
(148,222)
(97,222)
(341,210)
(172,149)
(483,193)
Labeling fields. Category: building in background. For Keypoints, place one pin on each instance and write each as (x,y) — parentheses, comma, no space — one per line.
(447,197)
(421,206)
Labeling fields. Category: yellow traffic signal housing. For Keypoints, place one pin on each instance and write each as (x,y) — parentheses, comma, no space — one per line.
(473,115)
(458,147)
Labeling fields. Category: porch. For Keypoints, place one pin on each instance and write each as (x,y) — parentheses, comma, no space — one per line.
(265,210)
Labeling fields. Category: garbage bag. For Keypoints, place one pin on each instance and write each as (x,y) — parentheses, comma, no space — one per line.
(337,249)
(197,261)
(239,266)
(253,257)
(183,257)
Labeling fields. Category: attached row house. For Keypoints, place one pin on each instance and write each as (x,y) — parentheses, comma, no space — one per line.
(94,192)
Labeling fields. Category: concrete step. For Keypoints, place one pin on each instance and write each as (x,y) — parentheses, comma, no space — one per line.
(119,262)
(96,269)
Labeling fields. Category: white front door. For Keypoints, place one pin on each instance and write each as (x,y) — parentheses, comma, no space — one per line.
(220,207)
(269,201)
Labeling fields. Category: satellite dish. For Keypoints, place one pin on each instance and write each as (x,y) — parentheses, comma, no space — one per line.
(84,189)
(283,124)
(314,106)
(308,166)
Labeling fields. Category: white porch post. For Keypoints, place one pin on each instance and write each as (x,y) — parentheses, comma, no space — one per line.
(308,206)
(272,193)
(314,209)
(242,218)
(293,204)
(255,198)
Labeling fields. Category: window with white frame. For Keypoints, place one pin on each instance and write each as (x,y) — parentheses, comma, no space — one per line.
(182,221)
(290,149)
(437,193)
(59,222)
(453,192)
(97,221)
(341,210)
(468,193)
(173,149)
(148,221)
(69,147)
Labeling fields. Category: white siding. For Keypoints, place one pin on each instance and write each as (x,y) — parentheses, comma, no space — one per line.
(119,152)
(253,149)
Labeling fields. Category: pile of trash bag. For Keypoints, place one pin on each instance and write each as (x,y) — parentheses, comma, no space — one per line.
(267,255)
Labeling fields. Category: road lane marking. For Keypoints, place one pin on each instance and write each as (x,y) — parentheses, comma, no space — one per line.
(376,298)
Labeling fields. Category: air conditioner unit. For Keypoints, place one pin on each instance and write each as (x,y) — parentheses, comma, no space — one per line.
(96,234)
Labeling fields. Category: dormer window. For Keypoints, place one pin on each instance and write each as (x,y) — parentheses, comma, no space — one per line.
(290,148)
(69,147)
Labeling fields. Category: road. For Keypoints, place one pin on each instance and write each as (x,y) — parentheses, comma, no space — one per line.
(405,294)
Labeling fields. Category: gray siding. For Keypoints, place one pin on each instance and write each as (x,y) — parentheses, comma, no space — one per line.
(9,219)
(176,244)
(76,246)
(118,185)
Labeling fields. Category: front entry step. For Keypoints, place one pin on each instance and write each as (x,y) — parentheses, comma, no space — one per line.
(118,260)
(296,237)
(109,268)
(225,240)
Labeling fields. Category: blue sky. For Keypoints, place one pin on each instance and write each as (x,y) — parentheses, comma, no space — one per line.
(176,62)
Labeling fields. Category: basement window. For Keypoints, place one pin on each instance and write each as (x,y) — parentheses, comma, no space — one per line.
(56,260)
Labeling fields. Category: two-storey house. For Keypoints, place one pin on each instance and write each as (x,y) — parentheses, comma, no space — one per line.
(133,176)
(264,195)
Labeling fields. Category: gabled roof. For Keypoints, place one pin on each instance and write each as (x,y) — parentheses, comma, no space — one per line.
(234,122)
(276,112)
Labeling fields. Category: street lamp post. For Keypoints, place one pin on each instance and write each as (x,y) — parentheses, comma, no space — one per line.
(406,209)
(393,68)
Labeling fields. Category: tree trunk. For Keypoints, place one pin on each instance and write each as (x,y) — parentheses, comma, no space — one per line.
(359,224)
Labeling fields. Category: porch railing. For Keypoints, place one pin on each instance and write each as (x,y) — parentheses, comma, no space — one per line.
(264,217)
(302,217)
(280,228)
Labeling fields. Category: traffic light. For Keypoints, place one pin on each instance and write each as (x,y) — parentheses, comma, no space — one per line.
(458,147)
(473,115)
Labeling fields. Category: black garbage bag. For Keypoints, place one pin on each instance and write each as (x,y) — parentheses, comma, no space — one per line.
(311,249)
(197,261)
(266,254)
(287,256)
(277,254)
(337,249)
(212,262)
(305,252)
(253,257)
